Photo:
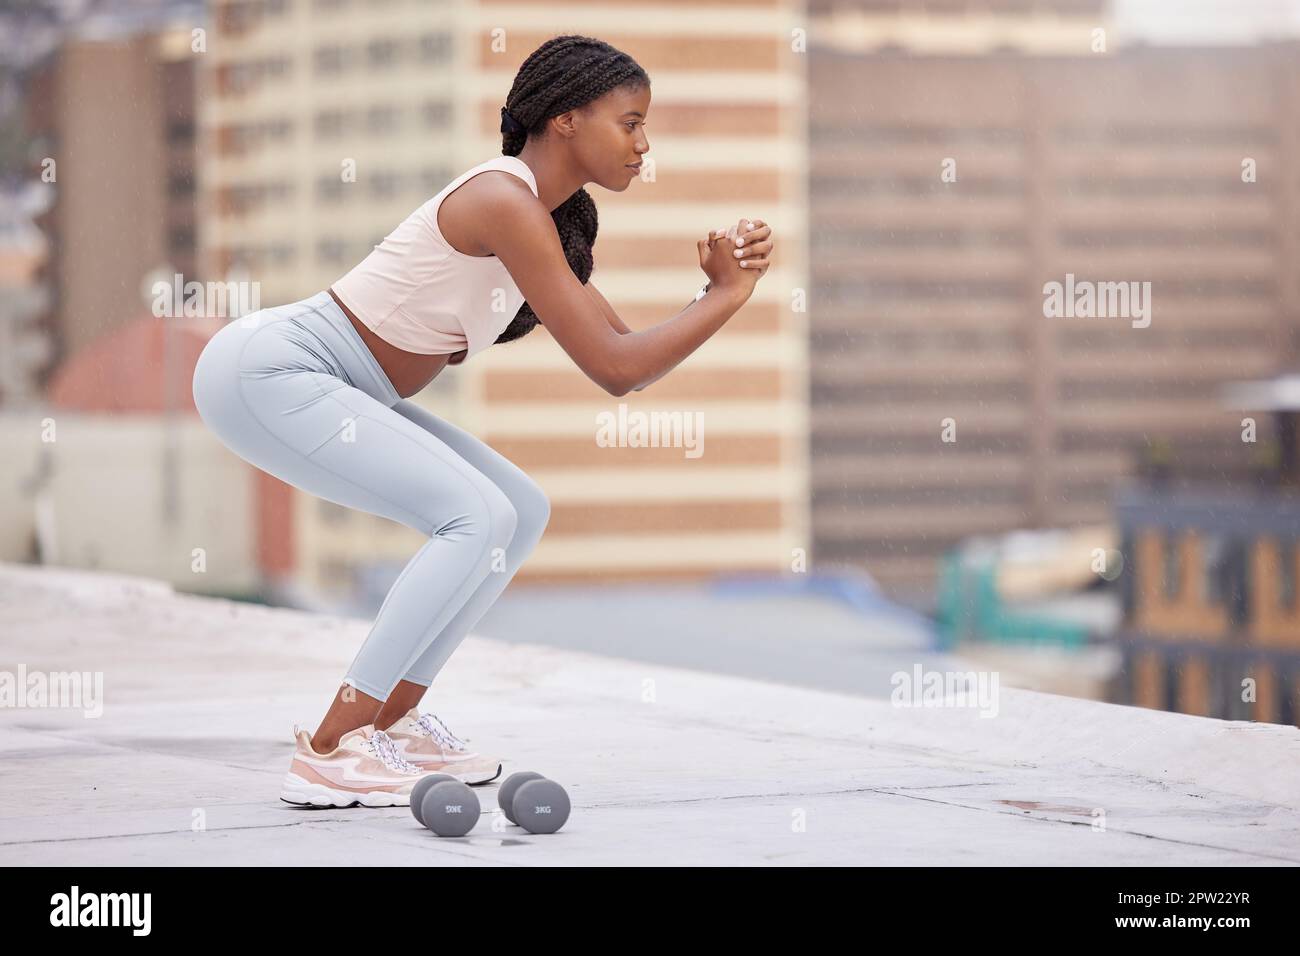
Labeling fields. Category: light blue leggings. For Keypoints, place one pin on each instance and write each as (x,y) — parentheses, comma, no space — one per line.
(295,391)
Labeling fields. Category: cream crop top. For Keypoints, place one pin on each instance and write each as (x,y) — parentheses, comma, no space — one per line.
(418,293)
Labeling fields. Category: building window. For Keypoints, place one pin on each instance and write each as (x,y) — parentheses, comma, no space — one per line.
(1171,671)
(1288,687)
(1286,560)
(1238,584)
(1172,563)
(180,131)
(331,59)
(436,114)
(180,185)
(1233,706)
(330,124)
(434,48)
(181,239)
(330,188)
(333,251)
(1127,592)
(1214,567)
(381,119)
(434,178)
(381,54)
(385,184)
(244,76)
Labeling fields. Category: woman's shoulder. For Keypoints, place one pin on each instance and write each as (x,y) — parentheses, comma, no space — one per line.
(506,164)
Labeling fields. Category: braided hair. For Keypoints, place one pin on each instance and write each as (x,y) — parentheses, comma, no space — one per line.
(562,74)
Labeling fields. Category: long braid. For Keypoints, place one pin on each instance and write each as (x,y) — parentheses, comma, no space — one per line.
(562,74)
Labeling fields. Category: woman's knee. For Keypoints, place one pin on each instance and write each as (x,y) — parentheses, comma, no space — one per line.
(534,509)
(480,508)
(503,517)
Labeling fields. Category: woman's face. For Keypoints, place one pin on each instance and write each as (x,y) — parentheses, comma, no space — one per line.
(611,136)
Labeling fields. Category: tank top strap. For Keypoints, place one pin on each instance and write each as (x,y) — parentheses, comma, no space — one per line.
(509,164)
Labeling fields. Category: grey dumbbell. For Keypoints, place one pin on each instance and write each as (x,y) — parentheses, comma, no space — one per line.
(540,806)
(506,793)
(450,808)
(421,788)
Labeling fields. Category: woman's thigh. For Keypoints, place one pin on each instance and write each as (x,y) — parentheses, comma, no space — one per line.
(283,408)
(521,489)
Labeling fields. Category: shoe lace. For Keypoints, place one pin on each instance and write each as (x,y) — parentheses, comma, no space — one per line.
(434,726)
(382,746)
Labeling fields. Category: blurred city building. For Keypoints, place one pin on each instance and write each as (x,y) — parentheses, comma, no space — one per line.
(893,393)
(958,169)
(110,112)
(1211,618)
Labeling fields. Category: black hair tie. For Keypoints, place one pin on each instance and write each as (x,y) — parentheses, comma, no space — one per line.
(511,125)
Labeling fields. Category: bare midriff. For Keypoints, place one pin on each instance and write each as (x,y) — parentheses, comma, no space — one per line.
(408,371)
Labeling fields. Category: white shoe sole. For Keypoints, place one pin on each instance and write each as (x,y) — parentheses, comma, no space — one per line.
(302,792)
(473,778)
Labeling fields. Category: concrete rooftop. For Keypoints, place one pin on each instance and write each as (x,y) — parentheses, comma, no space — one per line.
(664,765)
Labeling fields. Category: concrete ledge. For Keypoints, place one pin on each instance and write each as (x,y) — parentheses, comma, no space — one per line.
(664,766)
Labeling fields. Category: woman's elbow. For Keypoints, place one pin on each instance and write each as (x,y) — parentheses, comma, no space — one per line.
(609,381)
(616,388)
(617,380)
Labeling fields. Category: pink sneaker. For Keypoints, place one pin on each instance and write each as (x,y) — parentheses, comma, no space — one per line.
(425,741)
(364,768)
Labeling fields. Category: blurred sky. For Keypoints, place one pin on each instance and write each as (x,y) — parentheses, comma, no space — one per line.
(1205,21)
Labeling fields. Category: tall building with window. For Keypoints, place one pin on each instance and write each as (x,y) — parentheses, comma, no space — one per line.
(326,122)
(958,170)
(111,116)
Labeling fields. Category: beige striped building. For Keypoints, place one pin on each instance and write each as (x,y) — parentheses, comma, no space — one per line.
(410,90)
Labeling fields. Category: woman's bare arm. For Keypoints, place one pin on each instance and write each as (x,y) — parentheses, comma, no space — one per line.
(621,328)
(617,361)
(611,316)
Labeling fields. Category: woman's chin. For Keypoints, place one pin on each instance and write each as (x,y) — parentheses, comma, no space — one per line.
(620,183)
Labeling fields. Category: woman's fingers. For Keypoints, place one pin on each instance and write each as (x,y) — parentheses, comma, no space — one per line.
(751,249)
(746,235)
(756,241)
